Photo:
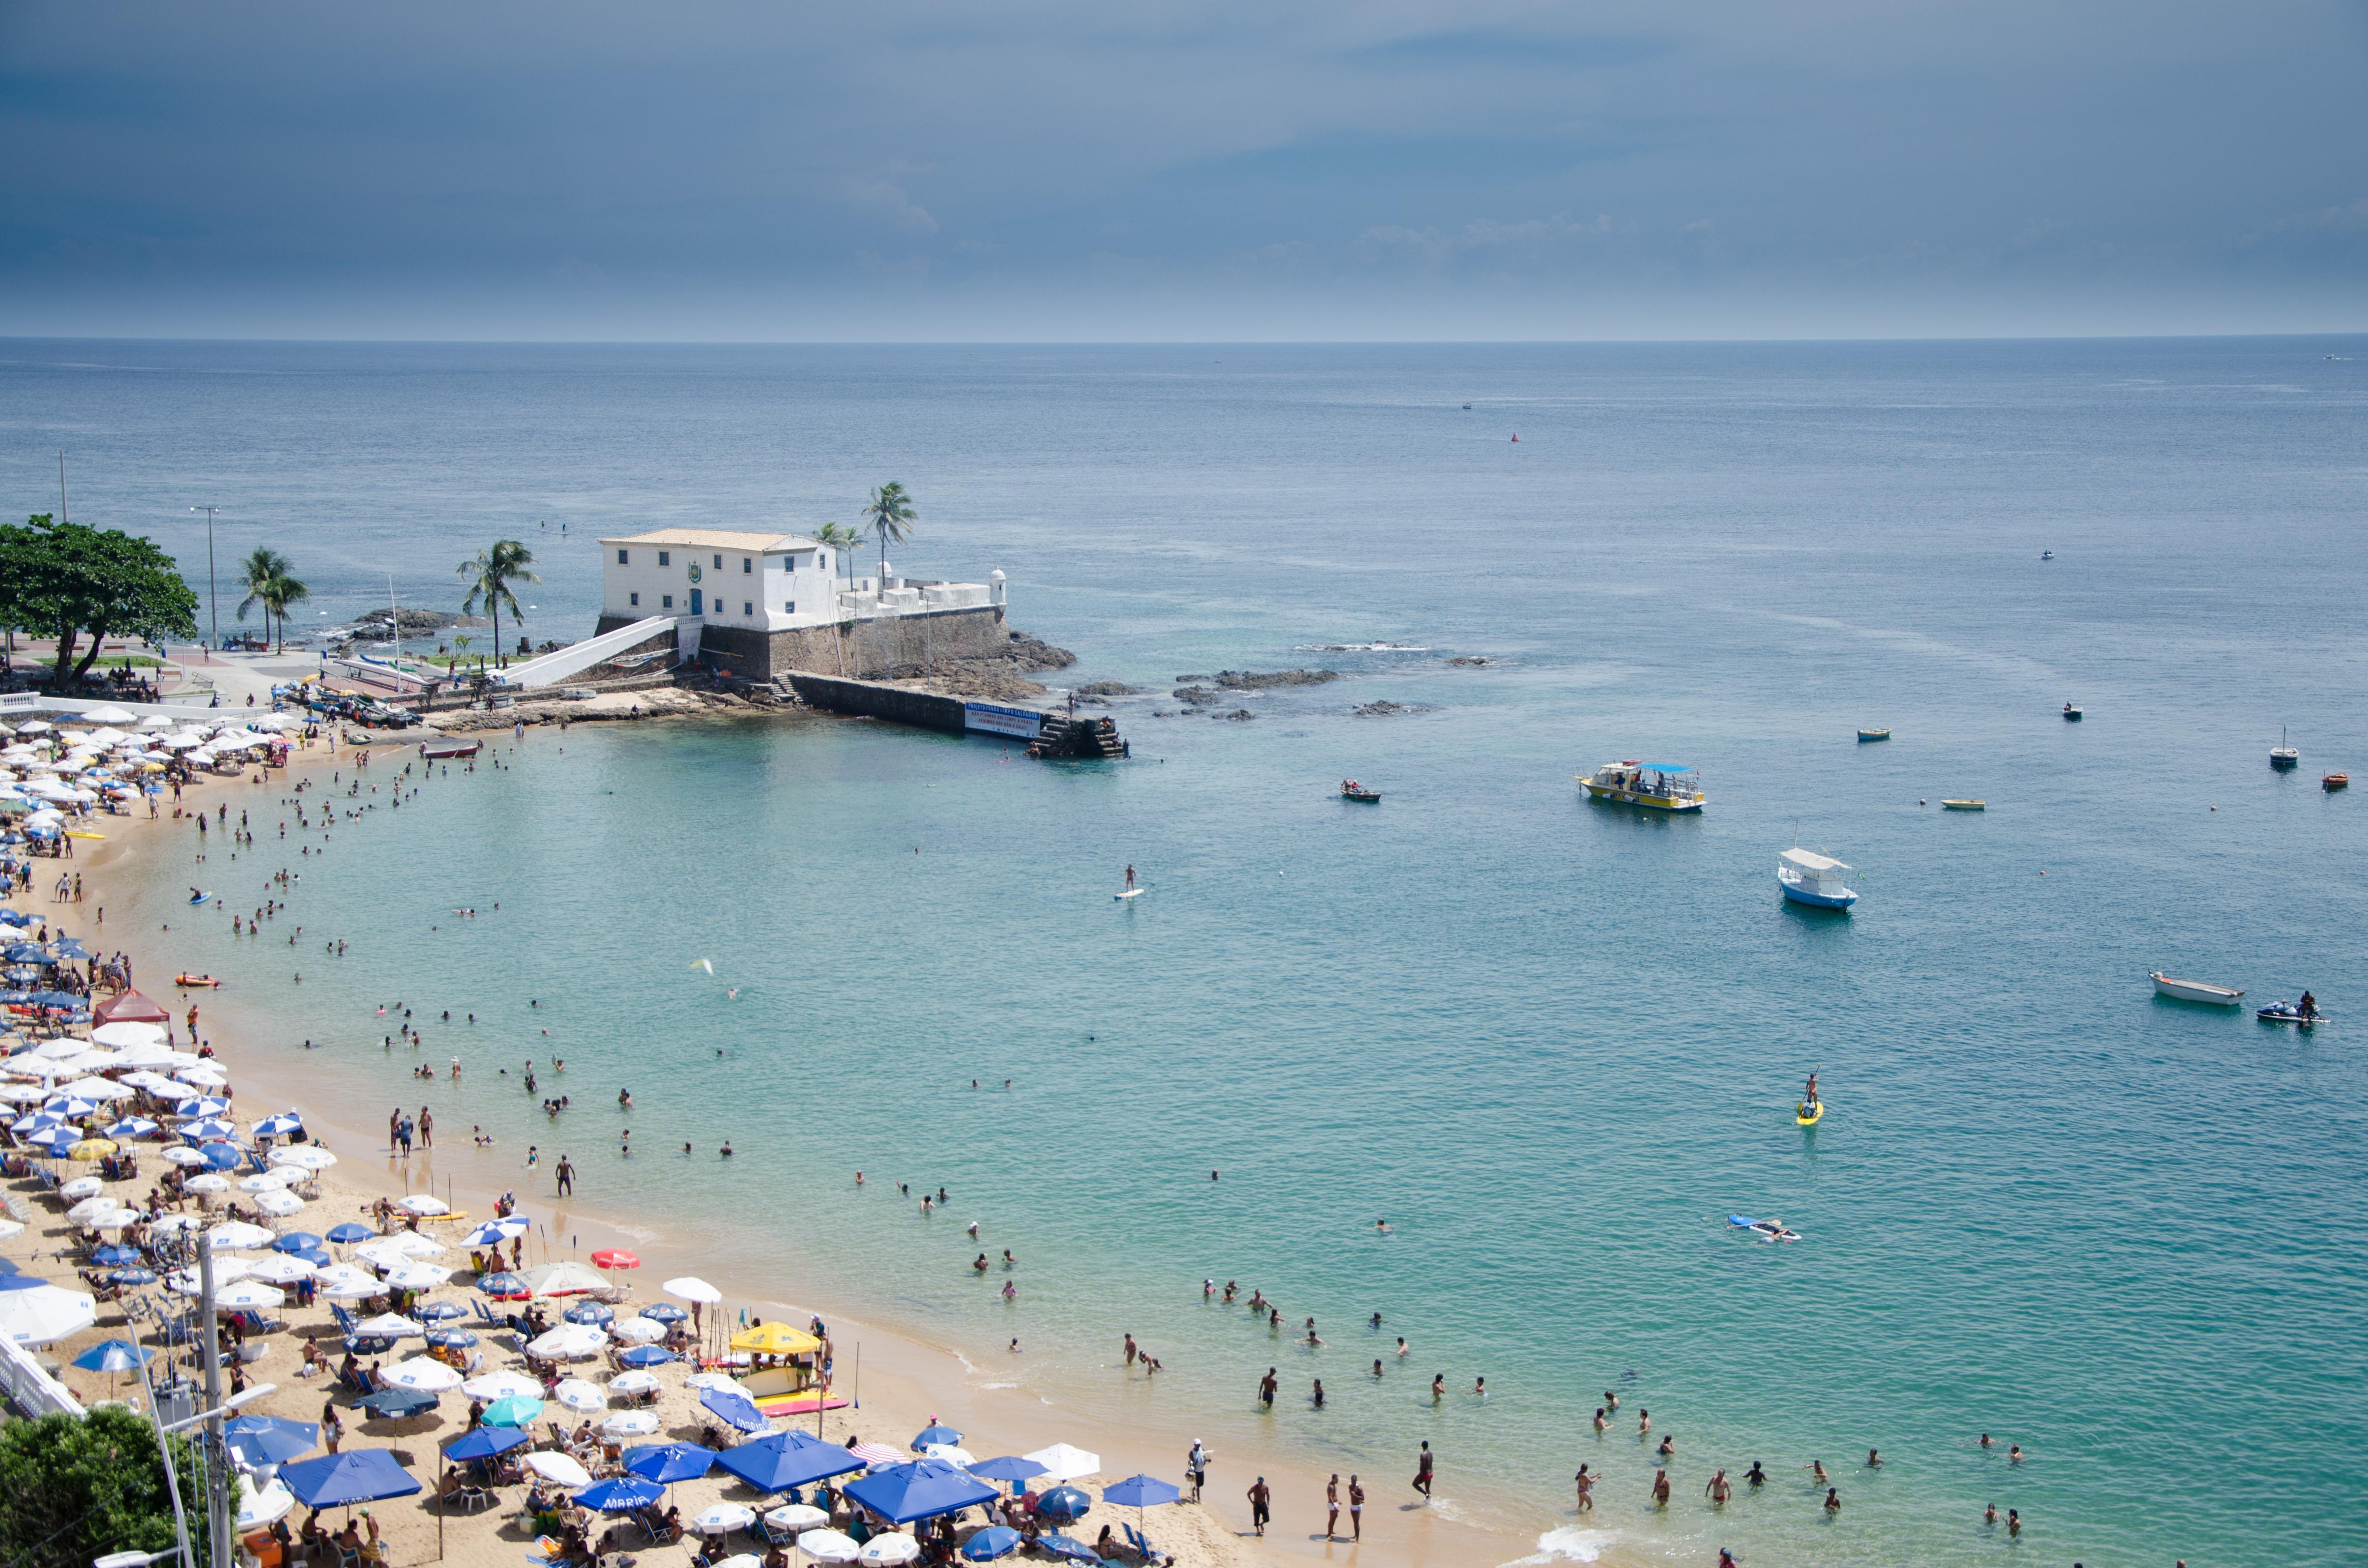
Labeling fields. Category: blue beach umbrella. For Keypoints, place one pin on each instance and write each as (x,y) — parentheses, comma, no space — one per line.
(494,1233)
(36,1121)
(1064,1504)
(995,1541)
(398,1403)
(1140,1492)
(590,1312)
(349,1231)
(131,1127)
(928,1434)
(20,1282)
(920,1490)
(665,1311)
(115,1252)
(71,1108)
(517,1409)
(53,1140)
(441,1312)
(296,1241)
(667,1463)
(620,1494)
(317,1256)
(268,1440)
(503,1284)
(221,1157)
(360,1475)
(782,1460)
(69,947)
(204,1130)
(484,1443)
(8,1267)
(1009,1469)
(131,1274)
(113,1355)
(647,1356)
(280,1126)
(205,1107)
(1067,1546)
(453,1338)
(735,1407)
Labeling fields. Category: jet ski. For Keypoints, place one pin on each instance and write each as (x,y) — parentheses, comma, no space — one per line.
(2287,1013)
(1766,1230)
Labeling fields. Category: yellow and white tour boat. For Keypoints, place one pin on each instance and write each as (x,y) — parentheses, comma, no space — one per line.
(1661,786)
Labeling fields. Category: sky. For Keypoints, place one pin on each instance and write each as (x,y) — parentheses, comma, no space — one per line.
(744,170)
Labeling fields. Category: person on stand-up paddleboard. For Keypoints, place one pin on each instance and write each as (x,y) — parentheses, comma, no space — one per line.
(1130,878)
(1809,1095)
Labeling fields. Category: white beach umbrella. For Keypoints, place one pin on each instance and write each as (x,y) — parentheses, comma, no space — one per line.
(553,1465)
(304,1156)
(569,1342)
(174,1090)
(270,1181)
(425,1375)
(1063,1463)
(213,1181)
(690,1288)
(81,1187)
(155,721)
(11,1228)
(722,1519)
(205,1075)
(566,1279)
(143,1078)
(422,1203)
(247,1295)
(585,1399)
(280,1269)
(503,1385)
(950,1453)
(634,1384)
(98,1089)
(183,1281)
(881,1550)
(90,1209)
(260,1510)
(417,1277)
(173,1224)
(382,1253)
(45,1314)
(631,1424)
(709,1380)
(829,1546)
(636,1331)
(412,1245)
(280,1205)
(182,1155)
(239,1236)
(388,1326)
(343,1281)
(24,1094)
(797,1517)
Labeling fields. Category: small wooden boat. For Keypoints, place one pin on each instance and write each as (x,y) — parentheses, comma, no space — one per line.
(2192,990)
(1352,790)
(434,750)
(207,980)
(2071,713)
(2335,781)
(1964,805)
(1874,735)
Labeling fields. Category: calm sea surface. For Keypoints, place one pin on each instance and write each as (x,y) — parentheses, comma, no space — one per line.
(1555,1044)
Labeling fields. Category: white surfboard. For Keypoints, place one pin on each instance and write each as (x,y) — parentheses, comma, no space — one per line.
(1131,892)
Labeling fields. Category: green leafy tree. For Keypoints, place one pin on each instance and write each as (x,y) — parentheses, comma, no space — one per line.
(66,579)
(489,576)
(72,1491)
(891,513)
(842,539)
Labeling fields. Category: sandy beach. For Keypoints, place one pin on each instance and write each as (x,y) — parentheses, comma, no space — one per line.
(899,1382)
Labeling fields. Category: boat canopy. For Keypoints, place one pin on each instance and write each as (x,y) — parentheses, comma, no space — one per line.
(1661,766)
(1809,860)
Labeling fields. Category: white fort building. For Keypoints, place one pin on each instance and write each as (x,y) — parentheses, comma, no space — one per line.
(761,605)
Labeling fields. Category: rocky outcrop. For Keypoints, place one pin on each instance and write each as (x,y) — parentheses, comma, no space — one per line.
(1250,680)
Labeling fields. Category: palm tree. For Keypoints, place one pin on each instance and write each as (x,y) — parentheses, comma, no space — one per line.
(489,576)
(892,515)
(281,592)
(262,568)
(841,538)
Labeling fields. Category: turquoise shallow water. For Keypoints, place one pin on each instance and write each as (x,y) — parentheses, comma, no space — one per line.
(1555,1043)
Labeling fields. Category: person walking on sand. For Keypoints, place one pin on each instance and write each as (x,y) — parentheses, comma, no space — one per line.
(1423,1466)
(1261,1506)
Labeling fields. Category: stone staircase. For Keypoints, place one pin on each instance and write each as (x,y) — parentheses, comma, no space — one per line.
(1066,736)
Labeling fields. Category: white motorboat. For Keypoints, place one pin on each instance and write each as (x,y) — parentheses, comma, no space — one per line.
(2193,990)
(1809,877)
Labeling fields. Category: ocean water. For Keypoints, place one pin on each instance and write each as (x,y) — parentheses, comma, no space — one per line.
(1554,1043)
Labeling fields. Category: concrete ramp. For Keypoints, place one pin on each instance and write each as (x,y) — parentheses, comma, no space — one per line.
(549,669)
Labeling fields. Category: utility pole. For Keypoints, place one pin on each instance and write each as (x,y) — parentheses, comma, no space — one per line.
(213,598)
(63,518)
(218,1469)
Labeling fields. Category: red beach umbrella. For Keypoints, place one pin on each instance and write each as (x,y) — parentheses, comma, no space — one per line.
(611,1257)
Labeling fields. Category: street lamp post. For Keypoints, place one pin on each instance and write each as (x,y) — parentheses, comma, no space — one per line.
(213,598)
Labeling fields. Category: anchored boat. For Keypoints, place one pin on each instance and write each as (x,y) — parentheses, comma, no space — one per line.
(1813,879)
(1964,805)
(2192,990)
(2072,712)
(437,750)
(1352,790)
(1874,735)
(2335,781)
(2282,755)
(1661,786)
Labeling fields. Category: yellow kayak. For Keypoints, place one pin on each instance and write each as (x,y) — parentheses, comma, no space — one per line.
(1808,1112)
(83,832)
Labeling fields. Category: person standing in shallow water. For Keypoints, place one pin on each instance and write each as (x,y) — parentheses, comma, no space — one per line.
(1424,1464)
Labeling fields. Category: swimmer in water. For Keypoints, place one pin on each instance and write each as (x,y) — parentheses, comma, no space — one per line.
(1585,1490)
(1599,1422)
(1402,1344)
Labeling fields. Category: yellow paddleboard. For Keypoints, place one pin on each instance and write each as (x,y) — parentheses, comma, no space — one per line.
(83,832)
(1807,1114)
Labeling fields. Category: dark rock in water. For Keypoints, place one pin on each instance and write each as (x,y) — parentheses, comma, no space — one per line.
(1385,707)
(411,621)
(1251,680)
(1195,696)
(1471,659)
(1237,715)
(1187,680)
(1106,688)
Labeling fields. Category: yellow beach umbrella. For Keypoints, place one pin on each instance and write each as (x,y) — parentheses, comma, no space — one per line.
(92,1149)
(775,1339)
